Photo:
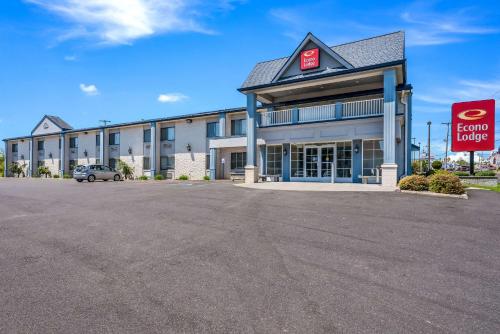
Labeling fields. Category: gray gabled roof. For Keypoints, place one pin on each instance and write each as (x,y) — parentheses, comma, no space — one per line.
(59,122)
(363,53)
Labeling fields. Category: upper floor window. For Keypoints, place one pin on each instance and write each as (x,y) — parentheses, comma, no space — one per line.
(114,138)
(97,140)
(40,145)
(212,129)
(238,127)
(73,142)
(167,133)
(14,148)
(147,136)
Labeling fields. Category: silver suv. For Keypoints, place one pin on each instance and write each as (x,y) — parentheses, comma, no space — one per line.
(96,172)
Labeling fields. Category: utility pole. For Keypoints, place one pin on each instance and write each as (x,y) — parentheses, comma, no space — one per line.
(446,152)
(104,122)
(429,144)
(419,158)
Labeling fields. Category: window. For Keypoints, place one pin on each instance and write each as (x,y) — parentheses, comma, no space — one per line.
(207,161)
(212,129)
(238,160)
(147,135)
(146,163)
(238,127)
(14,148)
(72,164)
(167,162)
(59,143)
(40,145)
(73,142)
(373,156)
(274,160)
(98,140)
(114,138)
(98,161)
(167,133)
(344,161)
(297,160)
(40,163)
(113,163)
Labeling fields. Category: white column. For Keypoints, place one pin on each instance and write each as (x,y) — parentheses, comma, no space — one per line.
(389,167)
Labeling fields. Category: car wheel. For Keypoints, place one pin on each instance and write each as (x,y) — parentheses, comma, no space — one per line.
(116,177)
(79,180)
(91,178)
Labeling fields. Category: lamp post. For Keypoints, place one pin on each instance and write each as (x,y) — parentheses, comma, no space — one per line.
(429,144)
(446,152)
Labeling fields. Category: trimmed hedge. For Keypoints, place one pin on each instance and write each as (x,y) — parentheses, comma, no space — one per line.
(446,183)
(159,177)
(461,173)
(415,183)
(143,178)
(183,177)
(486,173)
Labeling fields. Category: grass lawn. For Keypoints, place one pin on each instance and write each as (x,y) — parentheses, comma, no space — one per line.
(492,188)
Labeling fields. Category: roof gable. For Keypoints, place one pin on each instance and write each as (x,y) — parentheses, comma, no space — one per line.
(372,51)
(50,124)
(327,59)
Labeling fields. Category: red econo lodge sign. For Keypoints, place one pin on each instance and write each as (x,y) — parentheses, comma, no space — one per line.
(309,59)
(473,126)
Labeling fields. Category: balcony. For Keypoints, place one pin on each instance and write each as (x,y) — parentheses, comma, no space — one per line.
(327,112)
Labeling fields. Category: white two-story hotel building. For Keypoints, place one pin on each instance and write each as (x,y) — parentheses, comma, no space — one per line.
(323,114)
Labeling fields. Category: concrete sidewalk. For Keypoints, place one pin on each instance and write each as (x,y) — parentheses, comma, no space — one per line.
(316,186)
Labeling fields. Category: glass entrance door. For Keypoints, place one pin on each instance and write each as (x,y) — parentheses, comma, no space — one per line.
(311,162)
(327,161)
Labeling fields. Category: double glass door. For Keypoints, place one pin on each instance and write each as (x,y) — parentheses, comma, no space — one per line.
(319,162)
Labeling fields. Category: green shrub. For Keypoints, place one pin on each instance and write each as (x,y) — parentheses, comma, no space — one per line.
(461,173)
(446,183)
(126,170)
(143,178)
(415,183)
(159,177)
(44,171)
(67,176)
(55,176)
(486,173)
(206,178)
(436,164)
(17,169)
(183,177)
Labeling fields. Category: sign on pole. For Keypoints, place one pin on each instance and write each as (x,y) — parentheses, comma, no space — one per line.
(473,126)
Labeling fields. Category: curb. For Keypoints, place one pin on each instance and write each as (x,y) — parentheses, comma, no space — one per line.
(428,193)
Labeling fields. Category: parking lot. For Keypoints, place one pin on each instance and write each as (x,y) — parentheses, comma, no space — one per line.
(200,257)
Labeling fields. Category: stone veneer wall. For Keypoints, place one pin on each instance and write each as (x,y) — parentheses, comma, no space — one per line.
(192,164)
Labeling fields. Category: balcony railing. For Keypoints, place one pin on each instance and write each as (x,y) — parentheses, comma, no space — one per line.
(345,110)
(363,108)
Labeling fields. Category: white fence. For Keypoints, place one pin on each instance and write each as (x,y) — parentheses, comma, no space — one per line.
(276,117)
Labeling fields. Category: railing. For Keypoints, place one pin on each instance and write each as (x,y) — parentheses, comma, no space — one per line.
(317,113)
(346,110)
(277,117)
(363,108)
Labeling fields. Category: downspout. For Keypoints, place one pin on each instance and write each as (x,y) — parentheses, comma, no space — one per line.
(404,101)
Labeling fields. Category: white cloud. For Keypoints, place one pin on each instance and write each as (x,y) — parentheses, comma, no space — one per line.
(89,89)
(123,21)
(427,26)
(464,90)
(171,97)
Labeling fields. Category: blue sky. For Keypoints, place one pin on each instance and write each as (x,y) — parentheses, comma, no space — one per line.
(125,60)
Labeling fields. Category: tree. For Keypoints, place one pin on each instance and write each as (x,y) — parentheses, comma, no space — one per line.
(436,164)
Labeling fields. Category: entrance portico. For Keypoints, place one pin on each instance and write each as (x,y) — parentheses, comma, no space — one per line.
(342,87)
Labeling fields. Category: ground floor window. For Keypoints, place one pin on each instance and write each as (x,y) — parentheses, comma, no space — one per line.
(373,156)
(72,164)
(98,161)
(40,163)
(297,160)
(146,163)
(344,159)
(274,159)
(113,163)
(238,160)
(167,162)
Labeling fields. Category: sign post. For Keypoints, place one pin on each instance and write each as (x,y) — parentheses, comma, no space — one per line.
(473,128)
